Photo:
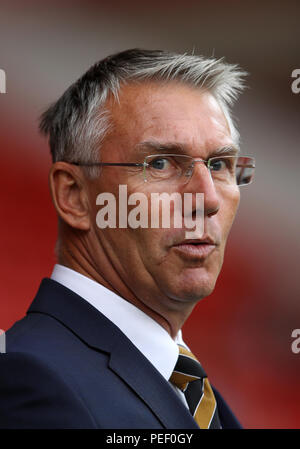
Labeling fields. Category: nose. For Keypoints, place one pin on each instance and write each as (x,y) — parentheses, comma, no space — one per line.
(202,182)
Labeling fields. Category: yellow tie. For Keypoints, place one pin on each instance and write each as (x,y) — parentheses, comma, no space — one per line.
(190,377)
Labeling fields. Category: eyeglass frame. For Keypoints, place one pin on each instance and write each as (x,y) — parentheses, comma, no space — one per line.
(145,164)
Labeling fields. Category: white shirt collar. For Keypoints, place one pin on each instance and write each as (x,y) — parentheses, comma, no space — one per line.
(145,333)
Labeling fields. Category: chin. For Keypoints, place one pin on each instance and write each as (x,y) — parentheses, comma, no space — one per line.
(192,290)
(195,294)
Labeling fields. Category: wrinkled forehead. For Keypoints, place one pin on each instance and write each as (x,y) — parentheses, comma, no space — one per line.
(170,112)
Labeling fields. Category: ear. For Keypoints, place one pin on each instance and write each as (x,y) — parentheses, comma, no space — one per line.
(70,195)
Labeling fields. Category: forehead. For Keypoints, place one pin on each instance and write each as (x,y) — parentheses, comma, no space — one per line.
(170,112)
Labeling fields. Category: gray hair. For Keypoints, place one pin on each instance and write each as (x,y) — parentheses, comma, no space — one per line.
(78,122)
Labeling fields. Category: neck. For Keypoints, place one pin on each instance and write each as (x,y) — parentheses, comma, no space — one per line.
(74,254)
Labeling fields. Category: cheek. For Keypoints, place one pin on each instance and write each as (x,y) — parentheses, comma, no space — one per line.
(149,244)
(229,206)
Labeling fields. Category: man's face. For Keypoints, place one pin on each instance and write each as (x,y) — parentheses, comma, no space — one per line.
(156,265)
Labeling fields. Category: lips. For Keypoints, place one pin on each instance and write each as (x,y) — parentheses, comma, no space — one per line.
(197,248)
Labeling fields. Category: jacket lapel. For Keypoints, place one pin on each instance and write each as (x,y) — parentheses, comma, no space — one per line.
(125,359)
(130,364)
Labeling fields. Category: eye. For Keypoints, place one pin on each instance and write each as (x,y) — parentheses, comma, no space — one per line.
(218,165)
(224,164)
(160,163)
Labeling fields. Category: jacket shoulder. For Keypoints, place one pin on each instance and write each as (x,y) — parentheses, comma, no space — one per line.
(32,395)
(227,418)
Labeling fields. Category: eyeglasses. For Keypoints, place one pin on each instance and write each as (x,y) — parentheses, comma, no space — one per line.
(179,168)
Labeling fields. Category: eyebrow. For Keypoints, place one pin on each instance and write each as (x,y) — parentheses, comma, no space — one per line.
(175,147)
(167,147)
(228,150)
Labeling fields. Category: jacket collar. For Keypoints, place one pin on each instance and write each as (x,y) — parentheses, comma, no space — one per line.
(126,360)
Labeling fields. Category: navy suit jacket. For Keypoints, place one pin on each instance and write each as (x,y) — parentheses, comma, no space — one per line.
(68,366)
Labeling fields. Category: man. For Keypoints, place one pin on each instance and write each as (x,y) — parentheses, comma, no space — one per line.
(101,344)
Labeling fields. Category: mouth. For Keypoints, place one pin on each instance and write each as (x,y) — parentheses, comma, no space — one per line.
(197,248)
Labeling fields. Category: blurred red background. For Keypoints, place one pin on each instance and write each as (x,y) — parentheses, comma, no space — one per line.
(242,332)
